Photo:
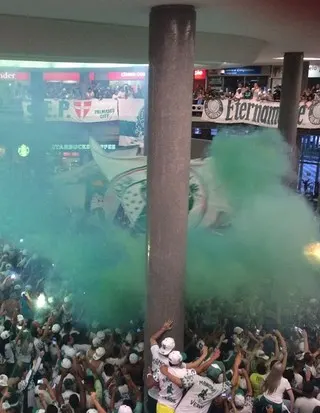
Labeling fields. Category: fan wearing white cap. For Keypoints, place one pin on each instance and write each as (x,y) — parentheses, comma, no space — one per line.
(170,394)
(97,362)
(202,384)
(160,356)
(8,353)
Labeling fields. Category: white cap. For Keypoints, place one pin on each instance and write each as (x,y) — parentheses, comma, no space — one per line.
(167,345)
(238,330)
(261,355)
(139,347)
(17,287)
(56,328)
(100,352)
(66,364)
(175,357)
(133,358)
(5,335)
(92,411)
(20,318)
(124,409)
(70,352)
(96,342)
(239,400)
(3,380)
(101,335)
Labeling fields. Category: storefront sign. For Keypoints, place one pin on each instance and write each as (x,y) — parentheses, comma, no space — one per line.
(23,151)
(200,74)
(80,147)
(314,71)
(10,76)
(61,77)
(86,111)
(242,71)
(126,75)
(257,113)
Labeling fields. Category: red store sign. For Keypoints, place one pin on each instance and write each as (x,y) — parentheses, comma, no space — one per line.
(199,74)
(20,76)
(126,75)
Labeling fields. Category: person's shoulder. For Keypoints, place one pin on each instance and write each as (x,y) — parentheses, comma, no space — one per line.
(154,348)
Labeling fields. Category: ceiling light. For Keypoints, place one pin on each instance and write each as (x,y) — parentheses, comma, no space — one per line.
(305,58)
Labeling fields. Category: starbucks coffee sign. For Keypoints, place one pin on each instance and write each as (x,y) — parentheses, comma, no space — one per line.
(257,113)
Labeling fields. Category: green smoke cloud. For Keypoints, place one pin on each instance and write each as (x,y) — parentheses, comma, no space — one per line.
(259,256)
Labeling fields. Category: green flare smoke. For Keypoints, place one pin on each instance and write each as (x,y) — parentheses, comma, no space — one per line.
(259,256)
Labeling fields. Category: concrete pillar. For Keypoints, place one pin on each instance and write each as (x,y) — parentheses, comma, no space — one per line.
(37,92)
(85,83)
(290,97)
(305,76)
(146,114)
(171,62)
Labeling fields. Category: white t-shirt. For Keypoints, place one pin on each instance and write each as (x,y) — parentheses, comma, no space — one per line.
(277,395)
(305,405)
(200,395)
(170,394)
(298,381)
(66,395)
(9,353)
(157,361)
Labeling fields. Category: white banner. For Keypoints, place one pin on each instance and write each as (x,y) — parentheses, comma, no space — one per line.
(87,111)
(257,113)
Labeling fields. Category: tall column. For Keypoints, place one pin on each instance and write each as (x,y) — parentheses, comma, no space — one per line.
(290,96)
(146,114)
(305,76)
(171,62)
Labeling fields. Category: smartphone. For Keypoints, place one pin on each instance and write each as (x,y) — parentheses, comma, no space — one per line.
(40,381)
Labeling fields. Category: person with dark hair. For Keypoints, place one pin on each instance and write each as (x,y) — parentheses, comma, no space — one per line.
(257,379)
(308,402)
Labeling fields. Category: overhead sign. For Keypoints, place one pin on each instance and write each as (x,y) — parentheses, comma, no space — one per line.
(257,113)
(86,111)
(126,75)
(242,71)
(314,71)
(200,74)
(10,76)
(61,77)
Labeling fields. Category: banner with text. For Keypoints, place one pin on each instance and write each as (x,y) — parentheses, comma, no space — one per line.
(131,122)
(257,113)
(87,111)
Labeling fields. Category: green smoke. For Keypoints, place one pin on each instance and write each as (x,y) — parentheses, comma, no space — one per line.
(258,257)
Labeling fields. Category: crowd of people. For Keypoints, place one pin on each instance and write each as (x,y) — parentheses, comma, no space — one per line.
(96,90)
(52,362)
(255,92)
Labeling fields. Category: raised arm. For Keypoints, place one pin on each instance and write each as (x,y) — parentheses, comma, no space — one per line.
(174,379)
(97,404)
(214,356)
(284,348)
(155,337)
(196,363)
